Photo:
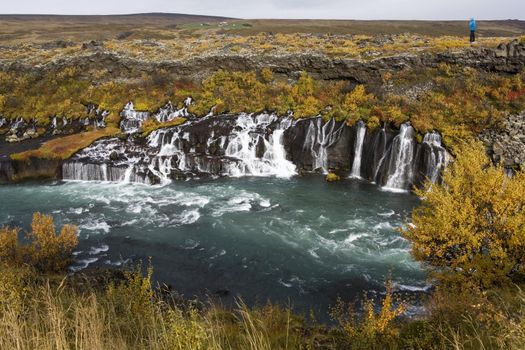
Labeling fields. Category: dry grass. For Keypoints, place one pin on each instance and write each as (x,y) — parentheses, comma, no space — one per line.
(430,28)
(177,46)
(64,147)
(35,28)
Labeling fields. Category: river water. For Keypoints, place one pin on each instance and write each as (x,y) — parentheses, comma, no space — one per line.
(299,240)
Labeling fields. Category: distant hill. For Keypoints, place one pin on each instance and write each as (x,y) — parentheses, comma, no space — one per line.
(126,18)
(45,28)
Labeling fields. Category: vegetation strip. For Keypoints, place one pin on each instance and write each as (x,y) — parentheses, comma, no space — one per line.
(62,148)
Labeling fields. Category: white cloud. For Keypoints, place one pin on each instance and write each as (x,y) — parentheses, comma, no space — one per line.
(341,9)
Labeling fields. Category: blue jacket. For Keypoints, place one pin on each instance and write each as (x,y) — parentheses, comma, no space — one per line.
(472,25)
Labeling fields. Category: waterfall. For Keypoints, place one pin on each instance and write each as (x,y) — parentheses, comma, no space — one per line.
(169,112)
(171,154)
(253,146)
(383,153)
(400,167)
(94,163)
(247,144)
(131,119)
(358,150)
(19,123)
(258,145)
(80,171)
(318,140)
(436,157)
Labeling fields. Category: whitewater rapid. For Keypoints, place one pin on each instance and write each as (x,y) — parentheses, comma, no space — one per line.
(258,237)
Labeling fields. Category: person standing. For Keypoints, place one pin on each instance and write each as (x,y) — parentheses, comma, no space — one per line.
(473,27)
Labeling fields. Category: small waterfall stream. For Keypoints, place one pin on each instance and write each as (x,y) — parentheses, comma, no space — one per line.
(358,147)
(131,119)
(437,157)
(401,160)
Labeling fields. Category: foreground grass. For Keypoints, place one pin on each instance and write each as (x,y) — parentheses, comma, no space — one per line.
(63,148)
(43,307)
(55,311)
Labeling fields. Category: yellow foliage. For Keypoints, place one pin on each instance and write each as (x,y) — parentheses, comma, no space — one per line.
(43,248)
(267,75)
(135,294)
(48,250)
(9,245)
(364,330)
(357,98)
(187,331)
(472,225)
(373,123)
(332,177)
(396,116)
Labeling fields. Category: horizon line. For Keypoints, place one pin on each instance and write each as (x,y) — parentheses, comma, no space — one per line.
(253,18)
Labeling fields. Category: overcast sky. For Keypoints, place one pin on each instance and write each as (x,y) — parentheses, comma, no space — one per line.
(339,9)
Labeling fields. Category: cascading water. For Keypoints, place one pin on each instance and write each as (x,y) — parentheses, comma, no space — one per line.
(436,157)
(319,139)
(169,112)
(171,154)
(250,140)
(248,145)
(401,162)
(94,164)
(358,150)
(131,119)
(256,145)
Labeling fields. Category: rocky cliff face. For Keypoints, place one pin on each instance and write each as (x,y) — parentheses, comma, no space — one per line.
(19,130)
(506,145)
(507,58)
(263,145)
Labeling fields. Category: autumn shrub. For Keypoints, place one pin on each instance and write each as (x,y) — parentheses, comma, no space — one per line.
(371,327)
(188,330)
(41,248)
(358,103)
(470,228)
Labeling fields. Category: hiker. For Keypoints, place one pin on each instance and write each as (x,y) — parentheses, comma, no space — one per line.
(473,27)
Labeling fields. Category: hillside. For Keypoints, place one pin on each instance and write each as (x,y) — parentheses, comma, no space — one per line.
(42,28)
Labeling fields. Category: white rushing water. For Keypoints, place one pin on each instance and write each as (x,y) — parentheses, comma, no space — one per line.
(254,145)
(401,160)
(358,153)
(131,119)
(319,138)
(257,237)
(438,156)
(249,150)
(243,146)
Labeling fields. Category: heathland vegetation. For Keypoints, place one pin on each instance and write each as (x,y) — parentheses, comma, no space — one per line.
(456,101)
(468,232)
